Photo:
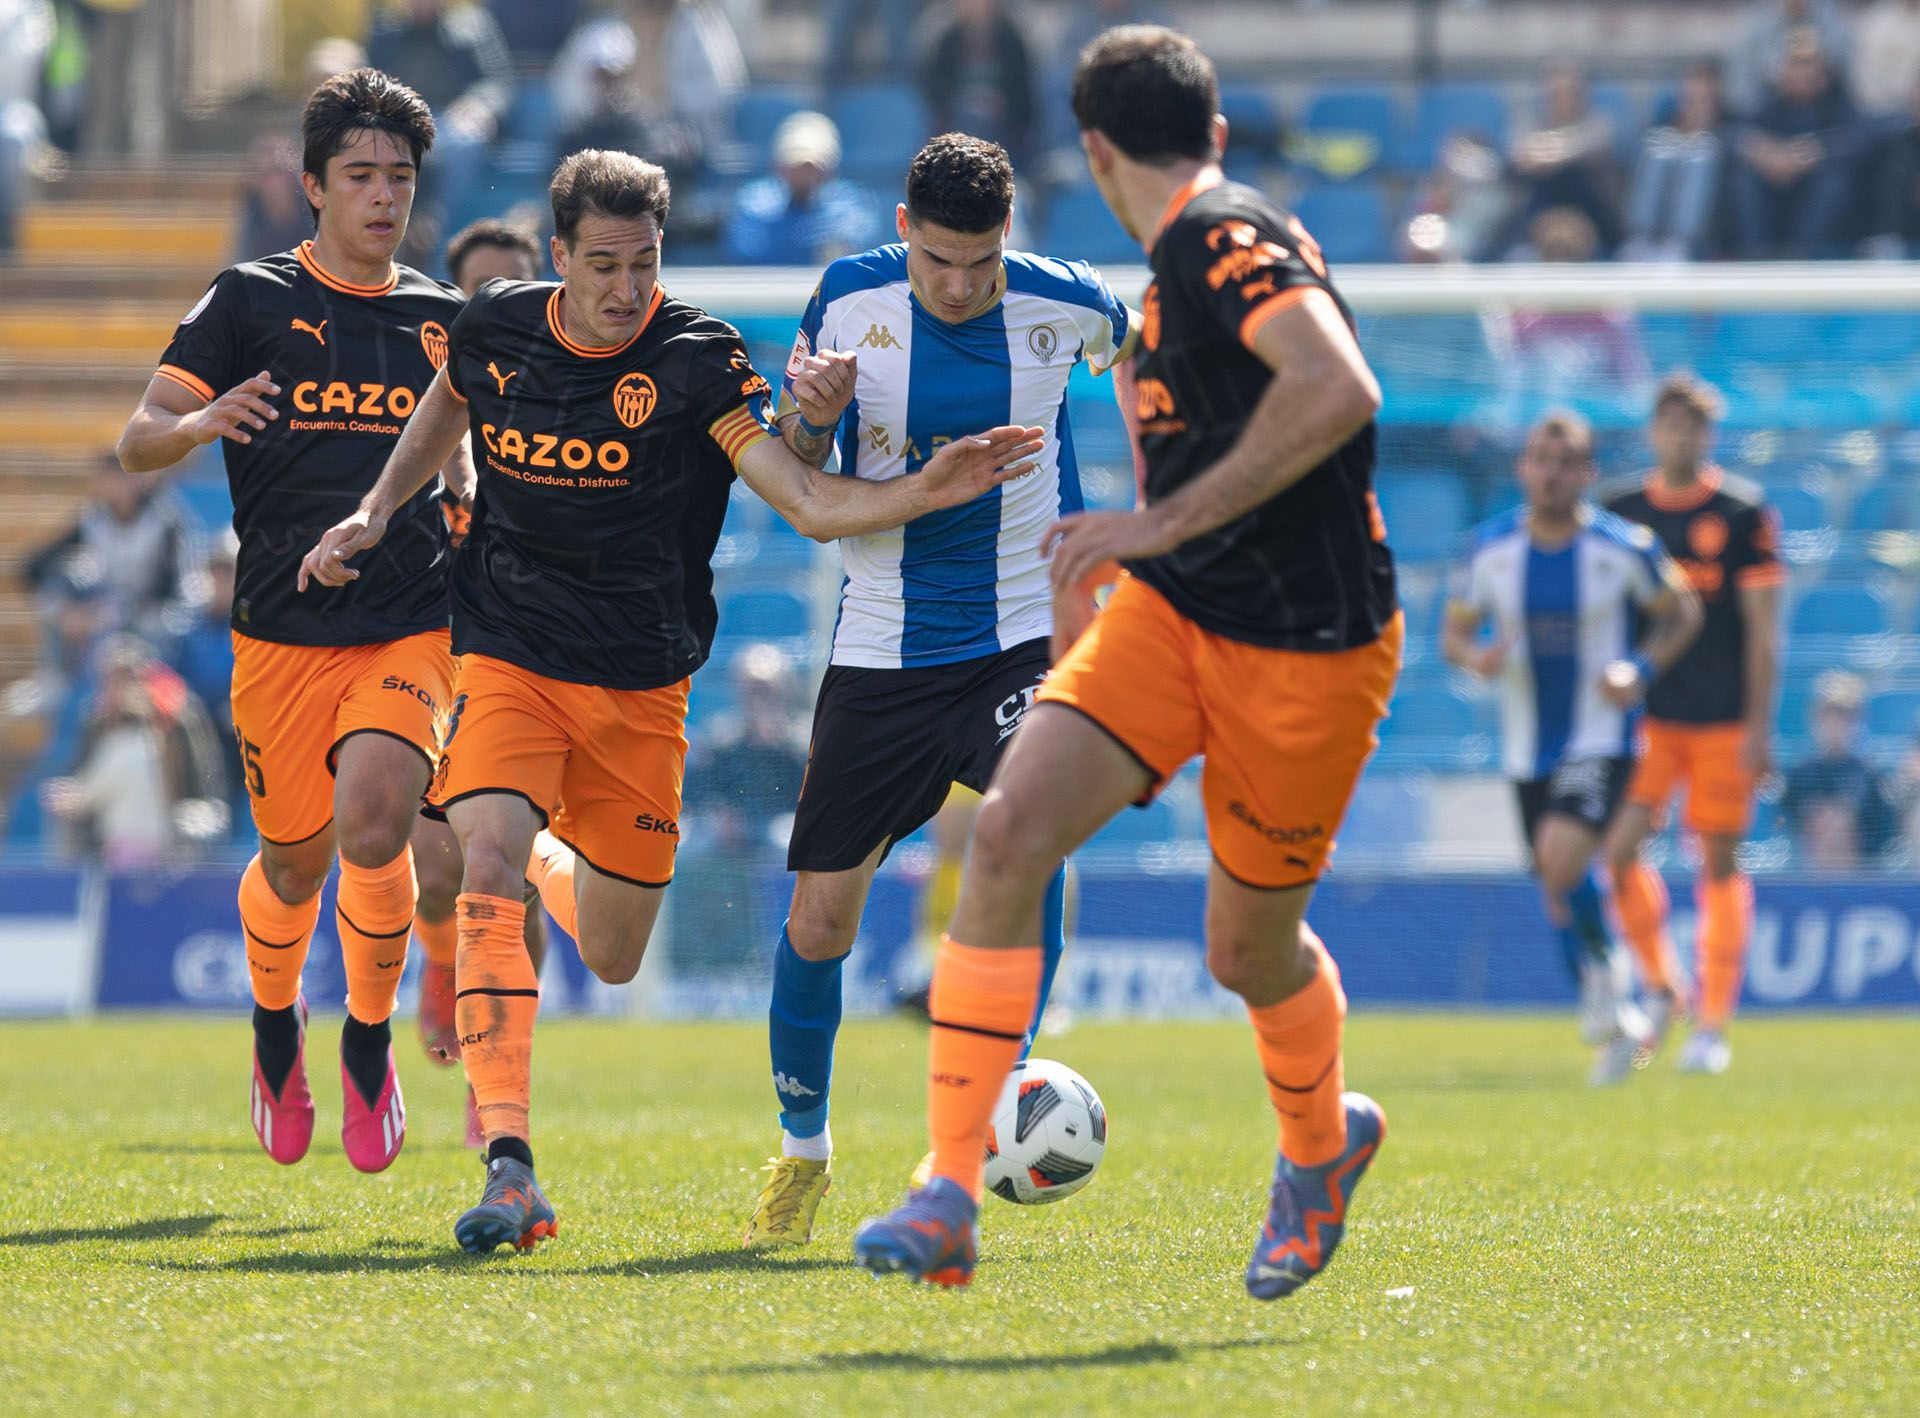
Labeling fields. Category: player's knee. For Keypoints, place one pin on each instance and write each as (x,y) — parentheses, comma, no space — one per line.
(438,875)
(1007,842)
(819,932)
(1248,963)
(489,870)
(616,962)
(373,834)
(294,882)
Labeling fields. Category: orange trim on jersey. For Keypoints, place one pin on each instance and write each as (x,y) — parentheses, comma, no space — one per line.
(304,251)
(1657,493)
(1767,573)
(1272,306)
(736,432)
(556,324)
(1204,181)
(446,376)
(187,380)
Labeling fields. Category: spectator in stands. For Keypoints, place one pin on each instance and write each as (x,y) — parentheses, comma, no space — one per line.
(1794,185)
(534,33)
(1673,211)
(843,55)
(26,30)
(606,112)
(1886,63)
(1757,55)
(742,785)
(804,215)
(977,77)
(274,215)
(684,72)
(492,249)
(1567,161)
(130,99)
(451,53)
(133,542)
(203,654)
(1460,208)
(148,776)
(1835,806)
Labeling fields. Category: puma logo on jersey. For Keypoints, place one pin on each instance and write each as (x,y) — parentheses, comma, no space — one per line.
(317,331)
(499,378)
(879,337)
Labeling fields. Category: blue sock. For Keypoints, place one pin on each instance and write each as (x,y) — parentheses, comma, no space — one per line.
(1570,950)
(1053,944)
(801,1024)
(1590,918)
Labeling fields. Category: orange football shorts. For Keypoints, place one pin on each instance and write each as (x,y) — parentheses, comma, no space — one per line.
(294,705)
(1284,733)
(1706,757)
(603,767)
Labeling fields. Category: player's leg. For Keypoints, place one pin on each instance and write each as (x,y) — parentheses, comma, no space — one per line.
(437,869)
(1639,895)
(282,712)
(1719,806)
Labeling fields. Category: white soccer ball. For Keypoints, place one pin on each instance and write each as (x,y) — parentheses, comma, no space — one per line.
(1048,1135)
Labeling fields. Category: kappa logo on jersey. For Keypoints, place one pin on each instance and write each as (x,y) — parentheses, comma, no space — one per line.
(879,337)
(633,399)
(1044,341)
(499,378)
(1707,535)
(433,342)
(317,331)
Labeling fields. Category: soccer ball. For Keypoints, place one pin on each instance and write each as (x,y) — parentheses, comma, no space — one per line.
(1048,1135)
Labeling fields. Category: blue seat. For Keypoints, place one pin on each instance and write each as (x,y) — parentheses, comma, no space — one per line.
(1348,219)
(764,615)
(1894,714)
(533,117)
(1624,109)
(1430,711)
(762,109)
(1885,506)
(881,127)
(1426,514)
(1840,610)
(1445,110)
(208,501)
(1078,224)
(1253,118)
(1800,509)
(1347,130)
(1139,827)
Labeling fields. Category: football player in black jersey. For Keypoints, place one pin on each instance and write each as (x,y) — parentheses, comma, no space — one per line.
(307,365)
(1254,624)
(609,420)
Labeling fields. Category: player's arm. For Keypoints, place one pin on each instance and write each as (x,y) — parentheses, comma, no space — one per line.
(1321,394)
(821,387)
(1760,609)
(1676,616)
(1460,643)
(172,420)
(825,507)
(426,446)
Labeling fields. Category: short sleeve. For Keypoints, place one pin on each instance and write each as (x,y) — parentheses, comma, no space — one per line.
(806,340)
(1649,568)
(728,396)
(1755,549)
(1247,269)
(1110,330)
(205,353)
(1466,584)
(464,334)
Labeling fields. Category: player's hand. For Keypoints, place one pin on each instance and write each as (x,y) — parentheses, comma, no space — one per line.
(1621,684)
(824,386)
(327,562)
(1487,661)
(236,413)
(1073,612)
(1088,545)
(1756,751)
(980,462)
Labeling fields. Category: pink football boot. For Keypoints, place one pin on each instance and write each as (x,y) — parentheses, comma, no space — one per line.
(284,1124)
(372,1136)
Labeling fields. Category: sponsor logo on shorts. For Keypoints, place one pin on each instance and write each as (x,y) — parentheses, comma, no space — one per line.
(647,822)
(1011,712)
(1583,783)
(407,686)
(1279,836)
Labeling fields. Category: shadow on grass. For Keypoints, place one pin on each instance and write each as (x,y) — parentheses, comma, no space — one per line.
(1470,1081)
(158,1228)
(414,1255)
(1113,1356)
(190,1149)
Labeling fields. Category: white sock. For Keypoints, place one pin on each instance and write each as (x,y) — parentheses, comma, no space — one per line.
(812,1149)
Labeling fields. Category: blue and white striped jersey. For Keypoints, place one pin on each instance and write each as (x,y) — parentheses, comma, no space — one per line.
(1564,615)
(968,581)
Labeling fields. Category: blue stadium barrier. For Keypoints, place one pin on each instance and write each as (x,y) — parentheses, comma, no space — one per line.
(1883,506)
(764,615)
(1427,513)
(1840,610)
(1894,714)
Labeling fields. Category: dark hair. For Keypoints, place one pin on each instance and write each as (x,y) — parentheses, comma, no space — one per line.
(1570,429)
(1151,91)
(353,102)
(962,183)
(490,231)
(611,184)
(1696,396)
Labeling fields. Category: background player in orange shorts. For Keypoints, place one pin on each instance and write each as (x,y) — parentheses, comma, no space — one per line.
(611,420)
(1709,721)
(1254,624)
(333,699)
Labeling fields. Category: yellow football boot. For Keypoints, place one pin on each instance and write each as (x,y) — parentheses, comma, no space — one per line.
(783,1216)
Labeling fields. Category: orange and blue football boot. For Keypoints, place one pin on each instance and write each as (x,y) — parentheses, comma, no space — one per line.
(1308,1213)
(513,1211)
(284,1121)
(934,1236)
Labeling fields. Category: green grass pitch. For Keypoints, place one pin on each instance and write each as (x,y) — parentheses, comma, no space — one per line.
(1681,1245)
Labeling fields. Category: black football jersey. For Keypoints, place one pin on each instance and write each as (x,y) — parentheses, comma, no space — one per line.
(351,362)
(1724,536)
(603,478)
(1308,569)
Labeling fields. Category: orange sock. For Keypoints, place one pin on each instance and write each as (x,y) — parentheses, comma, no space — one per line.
(551,869)
(1299,1043)
(438,939)
(497,997)
(374,911)
(1726,923)
(277,938)
(981,1005)
(1640,898)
